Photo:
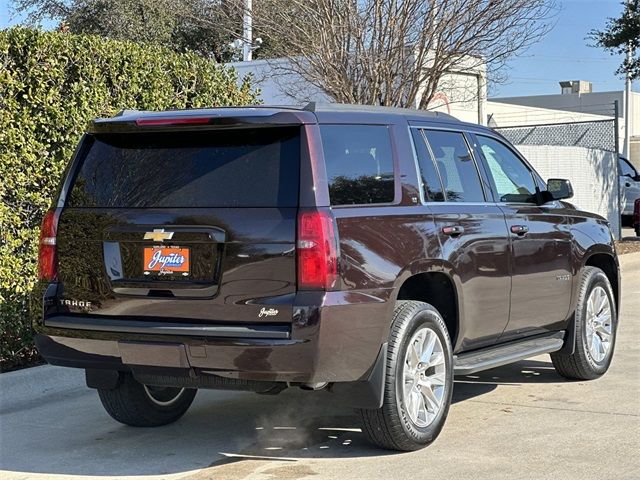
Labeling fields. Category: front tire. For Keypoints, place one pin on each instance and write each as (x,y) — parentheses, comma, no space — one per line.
(596,322)
(418,383)
(138,405)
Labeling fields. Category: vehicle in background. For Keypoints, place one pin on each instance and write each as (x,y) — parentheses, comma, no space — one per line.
(629,186)
(636,217)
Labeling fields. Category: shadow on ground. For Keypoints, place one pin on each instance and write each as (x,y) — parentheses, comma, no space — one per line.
(223,430)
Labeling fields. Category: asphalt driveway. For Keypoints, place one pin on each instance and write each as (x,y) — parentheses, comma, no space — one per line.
(519,421)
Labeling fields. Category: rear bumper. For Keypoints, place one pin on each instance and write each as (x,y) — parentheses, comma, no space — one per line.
(334,337)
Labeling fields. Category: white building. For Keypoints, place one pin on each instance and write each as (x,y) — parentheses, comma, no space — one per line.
(461,93)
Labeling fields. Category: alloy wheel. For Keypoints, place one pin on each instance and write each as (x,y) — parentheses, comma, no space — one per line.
(598,324)
(424,377)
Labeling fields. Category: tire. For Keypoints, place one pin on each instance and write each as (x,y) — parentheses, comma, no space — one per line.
(395,426)
(588,362)
(137,405)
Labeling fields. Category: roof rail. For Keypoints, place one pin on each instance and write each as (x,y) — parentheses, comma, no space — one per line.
(345,107)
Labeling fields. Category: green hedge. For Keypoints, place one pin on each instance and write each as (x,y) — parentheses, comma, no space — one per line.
(51,85)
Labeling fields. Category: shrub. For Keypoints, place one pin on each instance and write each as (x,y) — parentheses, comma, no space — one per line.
(51,85)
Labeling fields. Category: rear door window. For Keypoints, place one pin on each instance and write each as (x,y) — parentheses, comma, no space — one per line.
(359,164)
(214,168)
(457,168)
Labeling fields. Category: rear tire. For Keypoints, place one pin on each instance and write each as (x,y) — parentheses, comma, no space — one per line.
(138,405)
(418,382)
(596,321)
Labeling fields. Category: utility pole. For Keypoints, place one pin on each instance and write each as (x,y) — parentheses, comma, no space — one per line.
(627,110)
(627,100)
(247,31)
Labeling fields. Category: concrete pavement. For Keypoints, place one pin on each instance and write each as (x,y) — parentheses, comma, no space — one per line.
(520,421)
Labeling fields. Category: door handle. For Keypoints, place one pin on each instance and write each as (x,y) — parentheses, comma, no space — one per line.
(453,230)
(519,229)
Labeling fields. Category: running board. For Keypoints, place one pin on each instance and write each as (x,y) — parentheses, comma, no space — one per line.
(497,356)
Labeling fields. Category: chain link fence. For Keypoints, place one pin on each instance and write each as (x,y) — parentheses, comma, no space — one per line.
(599,134)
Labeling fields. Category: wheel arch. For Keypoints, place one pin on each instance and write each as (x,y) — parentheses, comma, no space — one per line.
(438,289)
(608,263)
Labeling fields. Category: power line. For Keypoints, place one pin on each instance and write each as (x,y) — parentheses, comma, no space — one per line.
(570,59)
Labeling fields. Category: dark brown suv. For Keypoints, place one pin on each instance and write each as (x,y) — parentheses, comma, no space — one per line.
(373,252)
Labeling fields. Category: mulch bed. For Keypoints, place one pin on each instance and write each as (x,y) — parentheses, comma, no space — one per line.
(29,358)
(628,246)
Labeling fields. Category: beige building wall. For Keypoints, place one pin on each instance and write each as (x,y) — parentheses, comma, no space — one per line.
(634,157)
(501,114)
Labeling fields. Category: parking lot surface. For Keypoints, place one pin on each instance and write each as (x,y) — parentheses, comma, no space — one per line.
(520,421)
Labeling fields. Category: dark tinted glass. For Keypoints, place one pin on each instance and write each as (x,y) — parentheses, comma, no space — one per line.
(224,168)
(456,166)
(430,178)
(359,163)
(512,179)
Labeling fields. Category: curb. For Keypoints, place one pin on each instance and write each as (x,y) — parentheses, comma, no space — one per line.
(45,380)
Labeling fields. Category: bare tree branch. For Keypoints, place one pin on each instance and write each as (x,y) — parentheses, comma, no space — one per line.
(396,52)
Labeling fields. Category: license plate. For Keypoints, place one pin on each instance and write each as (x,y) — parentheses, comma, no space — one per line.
(166,261)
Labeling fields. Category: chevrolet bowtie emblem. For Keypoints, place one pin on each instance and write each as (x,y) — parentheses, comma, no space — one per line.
(158,235)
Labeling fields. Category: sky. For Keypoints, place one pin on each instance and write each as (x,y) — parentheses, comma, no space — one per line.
(563,54)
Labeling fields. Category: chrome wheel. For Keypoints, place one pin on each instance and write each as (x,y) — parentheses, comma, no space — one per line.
(424,375)
(163,396)
(598,324)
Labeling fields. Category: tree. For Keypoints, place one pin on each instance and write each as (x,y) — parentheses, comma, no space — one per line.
(621,35)
(201,26)
(396,52)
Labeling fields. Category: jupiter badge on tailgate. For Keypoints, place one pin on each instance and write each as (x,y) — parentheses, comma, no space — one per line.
(166,260)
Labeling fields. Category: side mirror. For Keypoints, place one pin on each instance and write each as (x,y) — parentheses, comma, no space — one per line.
(559,189)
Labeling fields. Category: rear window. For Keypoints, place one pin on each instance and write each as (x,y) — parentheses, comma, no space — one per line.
(213,168)
(456,166)
(359,164)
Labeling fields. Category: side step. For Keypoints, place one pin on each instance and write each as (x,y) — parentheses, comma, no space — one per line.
(496,356)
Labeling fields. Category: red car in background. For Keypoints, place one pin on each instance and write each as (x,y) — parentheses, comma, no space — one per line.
(636,217)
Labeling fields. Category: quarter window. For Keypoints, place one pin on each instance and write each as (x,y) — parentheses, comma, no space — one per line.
(512,179)
(457,169)
(431,184)
(359,164)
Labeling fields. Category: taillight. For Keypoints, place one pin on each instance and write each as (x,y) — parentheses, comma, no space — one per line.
(47,263)
(317,251)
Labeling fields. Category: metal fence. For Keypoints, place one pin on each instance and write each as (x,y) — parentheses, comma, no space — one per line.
(600,134)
